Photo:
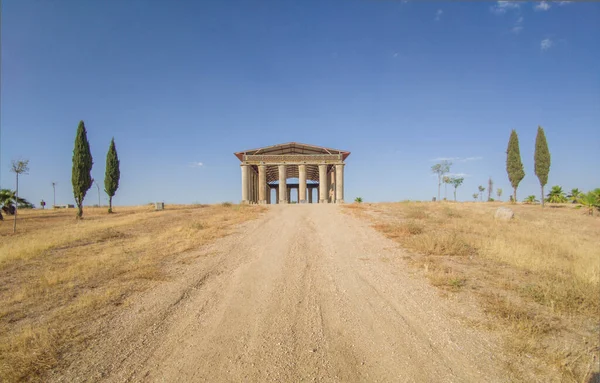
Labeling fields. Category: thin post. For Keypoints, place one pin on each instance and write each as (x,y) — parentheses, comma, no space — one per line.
(16,204)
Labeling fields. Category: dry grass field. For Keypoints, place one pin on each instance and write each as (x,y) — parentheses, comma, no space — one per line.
(536,277)
(57,275)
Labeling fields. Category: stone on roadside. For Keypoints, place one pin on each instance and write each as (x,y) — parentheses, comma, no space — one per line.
(504,214)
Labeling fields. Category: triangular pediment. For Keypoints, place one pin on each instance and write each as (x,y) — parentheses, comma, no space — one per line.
(291,148)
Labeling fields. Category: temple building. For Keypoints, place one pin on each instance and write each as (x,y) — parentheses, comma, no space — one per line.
(319,173)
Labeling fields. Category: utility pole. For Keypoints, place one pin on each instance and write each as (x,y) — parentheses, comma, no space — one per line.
(54,192)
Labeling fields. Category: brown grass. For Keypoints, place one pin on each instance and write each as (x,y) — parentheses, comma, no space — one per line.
(537,276)
(58,274)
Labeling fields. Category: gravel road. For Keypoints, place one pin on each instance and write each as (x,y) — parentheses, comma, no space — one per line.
(304,293)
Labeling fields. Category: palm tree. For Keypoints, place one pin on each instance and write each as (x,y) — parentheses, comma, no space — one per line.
(475,196)
(358,200)
(481,190)
(575,195)
(556,195)
(530,199)
(7,201)
(591,201)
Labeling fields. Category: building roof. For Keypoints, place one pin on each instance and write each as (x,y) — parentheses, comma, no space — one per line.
(291,148)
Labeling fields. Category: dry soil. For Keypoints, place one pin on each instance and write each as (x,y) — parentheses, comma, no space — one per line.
(304,293)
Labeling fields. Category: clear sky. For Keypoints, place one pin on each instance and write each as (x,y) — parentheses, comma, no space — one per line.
(181,85)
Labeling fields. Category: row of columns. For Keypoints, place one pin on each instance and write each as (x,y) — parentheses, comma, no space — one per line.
(308,197)
(256,190)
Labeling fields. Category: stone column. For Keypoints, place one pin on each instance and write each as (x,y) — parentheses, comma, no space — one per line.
(339,180)
(255,188)
(289,195)
(332,185)
(323,184)
(302,184)
(251,185)
(309,195)
(245,183)
(282,184)
(262,184)
(277,196)
(330,199)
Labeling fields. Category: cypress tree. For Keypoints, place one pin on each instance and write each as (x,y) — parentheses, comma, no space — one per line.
(112,175)
(81,177)
(542,159)
(514,166)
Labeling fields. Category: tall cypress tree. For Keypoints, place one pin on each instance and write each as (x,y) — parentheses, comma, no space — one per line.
(81,177)
(514,166)
(542,159)
(112,175)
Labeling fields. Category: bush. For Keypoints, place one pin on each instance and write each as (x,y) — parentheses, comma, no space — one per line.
(414,228)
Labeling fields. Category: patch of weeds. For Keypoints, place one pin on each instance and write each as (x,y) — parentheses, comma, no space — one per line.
(416,213)
(389,230)
(198,226)
(452,213)
(227,204)
(414,228)
(515,315)
(456,283)
(441,244)
(444,278)
(565,296)
(400,230)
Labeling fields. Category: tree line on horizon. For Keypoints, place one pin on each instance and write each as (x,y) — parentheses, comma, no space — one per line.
(516,173)
(81,177)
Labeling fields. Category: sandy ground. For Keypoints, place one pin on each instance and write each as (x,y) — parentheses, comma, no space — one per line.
(304,293)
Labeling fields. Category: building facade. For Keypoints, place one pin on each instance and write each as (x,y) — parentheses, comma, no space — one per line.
(317,174)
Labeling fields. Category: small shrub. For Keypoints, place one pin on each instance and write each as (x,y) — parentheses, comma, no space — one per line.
(358,200)
(227,204)
(414,228)
(457,282)
(444,277)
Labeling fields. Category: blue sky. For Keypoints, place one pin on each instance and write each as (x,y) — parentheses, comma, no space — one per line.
(399,84)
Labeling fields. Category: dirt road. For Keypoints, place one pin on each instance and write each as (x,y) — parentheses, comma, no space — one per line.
(304,293)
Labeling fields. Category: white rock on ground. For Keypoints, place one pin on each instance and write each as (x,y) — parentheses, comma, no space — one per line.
(504,214)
